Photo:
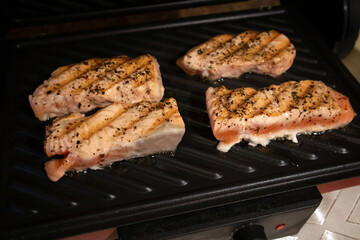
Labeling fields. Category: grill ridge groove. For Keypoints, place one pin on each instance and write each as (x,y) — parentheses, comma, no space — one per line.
(26,133)
(41,195)
(290,147)
(259,156)
(302,50)
(327,145)
(29,170)
(290,75)
(355,125)
(171,79)
(347,136)
(87,190)
(194,169)
(31,153)
(295,40)
(190,108)
(261,79)
(132,184)
(196,124)
(154,173)
(21,209)
(305,59)
(187,94)
(214,158)
(309,69)
(193,135)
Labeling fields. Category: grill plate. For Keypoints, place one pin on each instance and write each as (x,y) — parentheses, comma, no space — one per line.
(197,176)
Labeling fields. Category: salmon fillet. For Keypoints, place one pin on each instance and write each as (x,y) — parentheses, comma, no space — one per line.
(97,83)
(230,56)
(113,133)
(277,111)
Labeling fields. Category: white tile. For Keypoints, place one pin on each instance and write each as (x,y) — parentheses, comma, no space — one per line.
(354,216)
(337,217)
(323,210)
(328,235)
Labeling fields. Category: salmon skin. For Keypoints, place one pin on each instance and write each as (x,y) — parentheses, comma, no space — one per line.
(97,82)
(113,133)
(230,56)
(277,111)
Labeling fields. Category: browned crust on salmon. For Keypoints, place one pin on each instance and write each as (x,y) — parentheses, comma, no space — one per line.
(98,82)
(228,55)
(275,111)
(113,133)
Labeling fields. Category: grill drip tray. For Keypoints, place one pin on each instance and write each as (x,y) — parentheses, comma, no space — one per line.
(197,176)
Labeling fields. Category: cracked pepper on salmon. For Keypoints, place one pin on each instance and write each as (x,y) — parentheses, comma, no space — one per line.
(276,111)
(230,56)
(95,83)
(113,133)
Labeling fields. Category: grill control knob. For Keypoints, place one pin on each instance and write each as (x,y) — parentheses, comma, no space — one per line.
(250,232)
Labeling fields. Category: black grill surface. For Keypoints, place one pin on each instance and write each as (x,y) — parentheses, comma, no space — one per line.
(197,175)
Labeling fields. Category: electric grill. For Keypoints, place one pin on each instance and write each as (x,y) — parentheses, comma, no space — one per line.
(255,190)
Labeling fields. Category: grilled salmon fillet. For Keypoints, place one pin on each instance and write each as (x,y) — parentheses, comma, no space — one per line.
(113,133)
(96,83)
(274,112)
(229,55)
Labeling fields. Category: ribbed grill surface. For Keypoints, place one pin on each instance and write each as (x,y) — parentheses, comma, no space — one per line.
(197,165)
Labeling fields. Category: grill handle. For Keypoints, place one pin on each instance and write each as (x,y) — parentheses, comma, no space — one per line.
(250,232)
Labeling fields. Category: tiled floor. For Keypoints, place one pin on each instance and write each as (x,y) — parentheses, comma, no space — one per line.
(337,217)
